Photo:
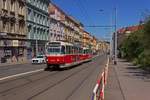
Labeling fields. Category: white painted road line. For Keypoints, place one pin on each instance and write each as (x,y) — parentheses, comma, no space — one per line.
(21,74)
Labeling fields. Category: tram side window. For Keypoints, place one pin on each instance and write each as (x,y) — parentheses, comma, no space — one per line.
(80,50)
(84,52)
(63,49)
(68,49)
(75,50)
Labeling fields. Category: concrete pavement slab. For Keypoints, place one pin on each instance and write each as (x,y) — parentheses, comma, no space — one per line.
(127,82)
(113,89)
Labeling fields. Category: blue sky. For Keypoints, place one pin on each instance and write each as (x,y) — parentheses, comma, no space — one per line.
(89,12)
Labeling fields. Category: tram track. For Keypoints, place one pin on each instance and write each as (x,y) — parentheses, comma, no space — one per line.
(79,85)
(48,92)
(60,81)
(26,78)
(4,92)
(48,84)
(6,71)
(17,78)
(66,78)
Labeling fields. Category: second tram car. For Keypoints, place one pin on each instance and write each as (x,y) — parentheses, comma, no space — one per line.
(62,54)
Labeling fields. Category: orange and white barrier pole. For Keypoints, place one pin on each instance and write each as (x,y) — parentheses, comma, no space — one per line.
(98,92)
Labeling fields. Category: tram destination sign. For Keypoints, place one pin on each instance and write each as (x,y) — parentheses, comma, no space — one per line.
(54,44)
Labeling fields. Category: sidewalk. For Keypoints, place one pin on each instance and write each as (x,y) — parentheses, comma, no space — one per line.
(127,82)
(14,63)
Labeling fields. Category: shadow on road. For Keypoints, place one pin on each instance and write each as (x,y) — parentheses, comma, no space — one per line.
(67,68)
(138,72)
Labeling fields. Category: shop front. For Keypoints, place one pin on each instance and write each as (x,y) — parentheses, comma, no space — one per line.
(12,51)
(31,48)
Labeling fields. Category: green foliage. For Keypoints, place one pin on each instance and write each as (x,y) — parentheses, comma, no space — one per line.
(146,35)
(144,58)
(132,46)
(136,47)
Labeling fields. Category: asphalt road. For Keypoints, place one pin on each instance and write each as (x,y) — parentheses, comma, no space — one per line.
(75,83)
(17,69)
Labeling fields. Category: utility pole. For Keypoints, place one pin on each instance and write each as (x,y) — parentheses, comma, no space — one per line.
(115,37)
(113,41)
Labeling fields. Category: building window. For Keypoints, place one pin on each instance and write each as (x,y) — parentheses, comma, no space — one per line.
(21,8)
(30,35)
(47,21)
(38,4)
(40,35)
(4,6)
(35,2)
(29,0)
(12,27)
(4,28)
(43,35)
(34,32)
(35,17)
(20,28)
(20,52)
(42,19)
(21,25)
(29,14)
(38,20)
(47,34)
(12,6)
(7,52)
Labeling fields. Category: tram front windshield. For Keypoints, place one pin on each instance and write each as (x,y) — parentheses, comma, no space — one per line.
(53,50)
(56,50)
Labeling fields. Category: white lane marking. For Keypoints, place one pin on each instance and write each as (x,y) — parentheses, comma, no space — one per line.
(21,74)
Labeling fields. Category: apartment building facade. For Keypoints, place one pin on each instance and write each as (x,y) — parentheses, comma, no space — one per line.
(37,26)
(86,39)
(12,31)
(73,31)
(57,26)
(94,43)
(64,27)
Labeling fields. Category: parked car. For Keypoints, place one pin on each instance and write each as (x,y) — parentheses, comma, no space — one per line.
(39,59)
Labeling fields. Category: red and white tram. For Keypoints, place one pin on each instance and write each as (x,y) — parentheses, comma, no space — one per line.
(62,54)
